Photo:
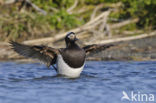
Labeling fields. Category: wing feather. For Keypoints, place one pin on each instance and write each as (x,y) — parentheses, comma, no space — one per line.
(43,53)
(94,47)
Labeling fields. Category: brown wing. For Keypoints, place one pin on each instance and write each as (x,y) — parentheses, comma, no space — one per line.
(94,47)
(46,54)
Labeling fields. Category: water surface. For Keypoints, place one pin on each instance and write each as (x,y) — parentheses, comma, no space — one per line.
(100,82)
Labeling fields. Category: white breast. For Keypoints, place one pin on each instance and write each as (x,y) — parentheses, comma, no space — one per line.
(66,70)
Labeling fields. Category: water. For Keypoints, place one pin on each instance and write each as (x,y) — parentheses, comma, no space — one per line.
(100,82)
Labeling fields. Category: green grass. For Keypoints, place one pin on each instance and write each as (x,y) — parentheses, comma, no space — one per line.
(29,23)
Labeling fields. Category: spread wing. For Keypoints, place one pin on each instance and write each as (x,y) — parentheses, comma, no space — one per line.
(94,47)
(45,54)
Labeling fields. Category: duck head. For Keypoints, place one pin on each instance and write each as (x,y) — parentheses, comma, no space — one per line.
(70,38)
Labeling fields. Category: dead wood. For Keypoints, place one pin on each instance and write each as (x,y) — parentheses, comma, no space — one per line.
(123,23)
(26,2)
(123,39)
(72,7)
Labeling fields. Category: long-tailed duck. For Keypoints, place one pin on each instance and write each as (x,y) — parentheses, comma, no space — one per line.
(69,61)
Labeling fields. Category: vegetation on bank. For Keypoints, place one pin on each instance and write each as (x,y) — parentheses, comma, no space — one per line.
(20,21)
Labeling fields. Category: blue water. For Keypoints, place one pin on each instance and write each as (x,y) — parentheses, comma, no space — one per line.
(100,82)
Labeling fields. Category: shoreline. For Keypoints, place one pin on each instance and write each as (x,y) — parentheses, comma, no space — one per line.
(138,50)
(143,49)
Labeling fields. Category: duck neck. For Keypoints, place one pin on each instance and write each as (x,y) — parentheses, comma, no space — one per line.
(70,44)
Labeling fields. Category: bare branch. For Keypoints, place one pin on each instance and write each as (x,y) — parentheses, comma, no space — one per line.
(98,17)
(72,7)
(28,2)
(118,25)
(10,1)
(36,7)
(141,36)
(95,10)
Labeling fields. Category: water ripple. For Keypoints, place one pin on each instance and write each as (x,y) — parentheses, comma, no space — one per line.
(100,82)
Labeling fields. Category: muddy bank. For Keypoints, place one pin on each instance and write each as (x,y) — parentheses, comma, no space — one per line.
(140,49)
